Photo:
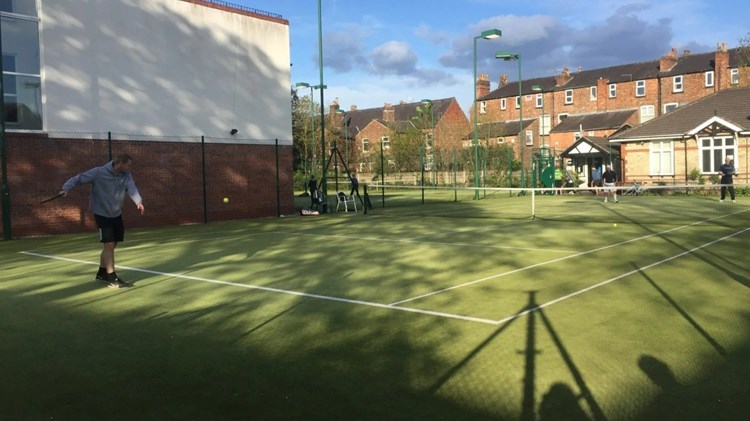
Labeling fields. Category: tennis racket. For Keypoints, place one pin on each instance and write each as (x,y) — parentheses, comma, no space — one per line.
(52,197)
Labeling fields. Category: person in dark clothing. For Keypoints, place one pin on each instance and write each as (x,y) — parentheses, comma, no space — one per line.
(312,186)
(110,183)
(727,172)
(355,184)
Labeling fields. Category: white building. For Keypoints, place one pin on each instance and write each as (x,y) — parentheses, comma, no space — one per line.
(152,67)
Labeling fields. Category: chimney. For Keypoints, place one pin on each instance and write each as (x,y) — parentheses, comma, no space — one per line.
(503,80)
(389,113)
(334,106)
(483,85)
(721,67)
(352,108)
(686,53)
(563,78)
(668,61)
(580,69)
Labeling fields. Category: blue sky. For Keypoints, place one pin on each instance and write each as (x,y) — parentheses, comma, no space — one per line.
(390,51)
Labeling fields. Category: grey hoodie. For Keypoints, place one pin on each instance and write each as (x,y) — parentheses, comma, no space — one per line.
(107,189)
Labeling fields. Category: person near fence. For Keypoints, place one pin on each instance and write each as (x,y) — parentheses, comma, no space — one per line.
(355,184)
(727,173)
(558,180)
(109,185)
(596,179)
(610,179)
(312,186)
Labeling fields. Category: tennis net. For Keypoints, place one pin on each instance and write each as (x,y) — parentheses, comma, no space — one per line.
(638,204)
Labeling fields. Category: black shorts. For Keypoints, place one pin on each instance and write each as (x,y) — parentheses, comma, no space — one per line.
(110,229)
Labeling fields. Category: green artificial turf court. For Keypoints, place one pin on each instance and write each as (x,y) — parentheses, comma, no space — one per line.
(397,314)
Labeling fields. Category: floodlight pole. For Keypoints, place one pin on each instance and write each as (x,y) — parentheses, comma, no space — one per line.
(323,180)
(4,188)
(489,34)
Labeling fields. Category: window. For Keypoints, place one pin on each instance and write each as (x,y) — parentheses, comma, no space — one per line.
(677,84)
(518,102)
(713,151)
(734,76)
(365,144)
(569,96)
(670,107)
(500,140)
(21,66)
(503,104)
(592,93)
(612,90)
(709,78)
(661,160)
(640,88)
(647,113)
(544,124)
(483,107)
(539,100)
(386,142)
(576,136)
(529,138)
(561,117)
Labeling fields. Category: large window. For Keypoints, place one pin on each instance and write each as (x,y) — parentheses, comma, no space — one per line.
(365,144)
(386,142)
(21,67)
(677,85)
(713,151)
(640,88)
(503,103)
(661,158)
(709,78)
(647,113)
(592,93)
(483,107)
(539,100)
(734,76)
(569,96)
(612,90)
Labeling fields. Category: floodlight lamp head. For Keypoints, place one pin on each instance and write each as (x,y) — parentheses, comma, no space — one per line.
(301,85)
(536,88)
(233,132)
(507,56)
(491,34)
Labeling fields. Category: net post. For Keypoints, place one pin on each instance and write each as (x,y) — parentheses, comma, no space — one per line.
(533,203)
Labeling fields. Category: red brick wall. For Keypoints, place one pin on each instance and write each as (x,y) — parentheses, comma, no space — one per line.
(169,176)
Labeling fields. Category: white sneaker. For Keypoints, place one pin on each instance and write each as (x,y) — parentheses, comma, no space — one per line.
(721,200)
(734,201)
(605,200)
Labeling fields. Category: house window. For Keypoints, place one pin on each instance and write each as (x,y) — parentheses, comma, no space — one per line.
(661,160)
(576,136)
(734,76)
(640,88)
(677,84)
(503,104)
(529,138)
(670,107)
(483,107)
(544,124)
(500,140)
(22,7)
(709,78)
(518,102)
(592,93)
(386,141)
(561,117)
(713,151)
(612,90)
(365,144)
(647,113)
(569,96)
(539,100)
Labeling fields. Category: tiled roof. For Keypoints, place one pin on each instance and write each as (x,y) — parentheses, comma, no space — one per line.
(592,145)
(732,105)
(498,129)
(693,63)
(594,121)
(359,119)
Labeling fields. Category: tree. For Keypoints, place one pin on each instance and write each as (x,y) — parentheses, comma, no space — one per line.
(305,128)
(744,51)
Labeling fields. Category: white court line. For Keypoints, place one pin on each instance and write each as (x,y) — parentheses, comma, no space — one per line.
(280,291)
(442,243)
(559,259)
(573,294)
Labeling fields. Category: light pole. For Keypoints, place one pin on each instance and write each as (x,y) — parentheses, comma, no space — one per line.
(488,34)
(521,135)
(323,181)
(428,102)
(538,88)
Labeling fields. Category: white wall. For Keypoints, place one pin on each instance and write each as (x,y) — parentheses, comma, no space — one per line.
(164,67)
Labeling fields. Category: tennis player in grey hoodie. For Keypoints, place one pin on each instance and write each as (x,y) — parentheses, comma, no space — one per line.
(109,184)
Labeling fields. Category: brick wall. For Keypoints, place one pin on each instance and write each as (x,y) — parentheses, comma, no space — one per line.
(169,176)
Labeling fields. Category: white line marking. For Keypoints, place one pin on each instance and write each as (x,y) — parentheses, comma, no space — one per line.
(559,259)
(573,294)
(280,291)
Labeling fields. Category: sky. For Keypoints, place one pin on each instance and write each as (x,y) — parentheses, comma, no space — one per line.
(388,51)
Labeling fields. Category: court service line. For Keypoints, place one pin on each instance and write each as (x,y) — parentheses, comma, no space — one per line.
(559,259)
(278,290)
(573,294)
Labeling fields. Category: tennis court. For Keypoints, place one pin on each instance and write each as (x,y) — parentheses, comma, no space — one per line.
(451,309)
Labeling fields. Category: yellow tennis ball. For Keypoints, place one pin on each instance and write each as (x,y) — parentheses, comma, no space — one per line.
(614,225)
(226,200)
